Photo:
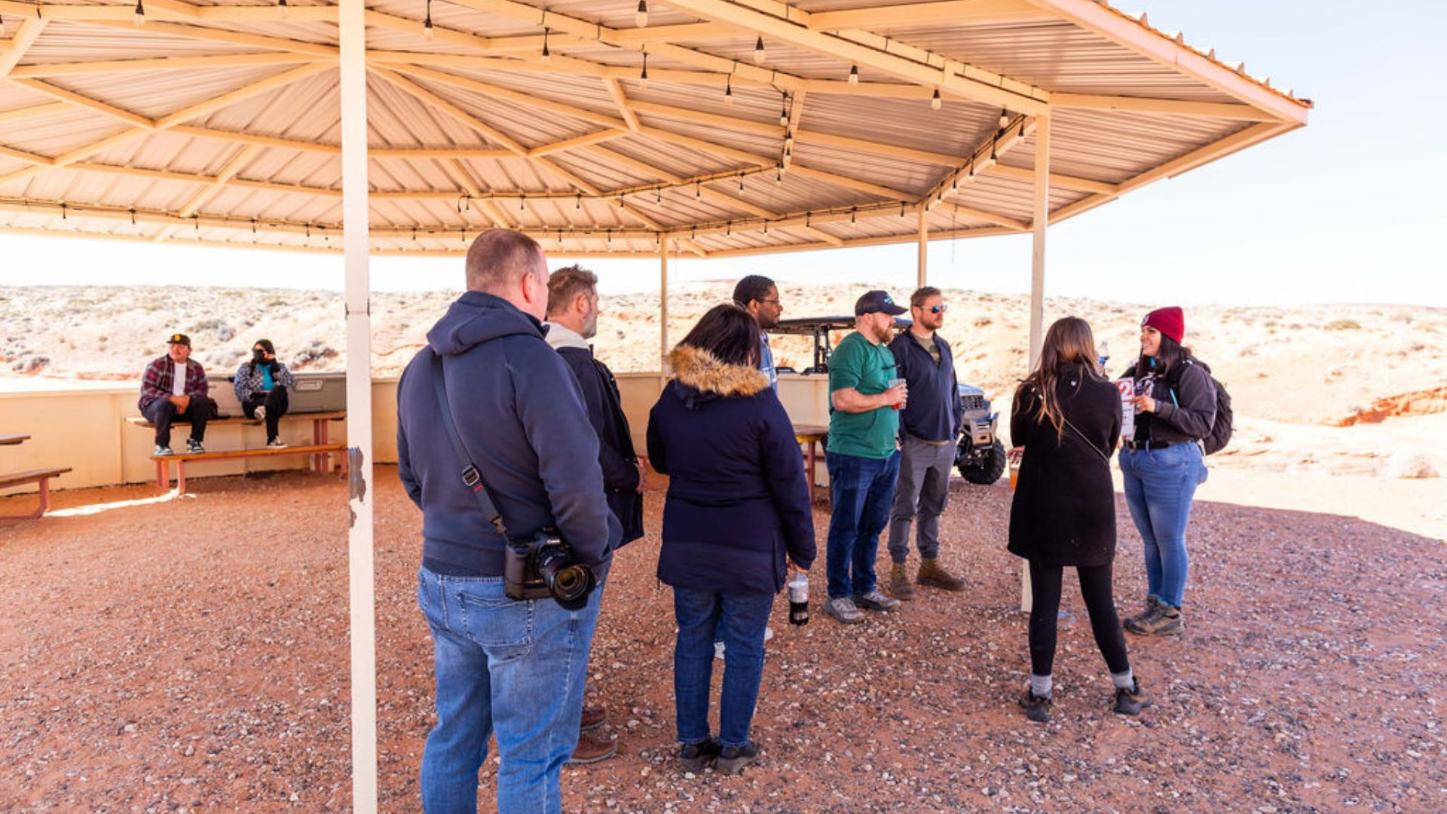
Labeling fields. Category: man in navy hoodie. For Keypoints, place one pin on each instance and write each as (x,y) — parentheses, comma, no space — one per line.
(508,668)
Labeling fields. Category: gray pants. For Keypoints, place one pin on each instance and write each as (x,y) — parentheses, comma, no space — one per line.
(924,488)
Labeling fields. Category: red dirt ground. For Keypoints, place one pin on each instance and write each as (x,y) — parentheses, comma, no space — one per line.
(192,656)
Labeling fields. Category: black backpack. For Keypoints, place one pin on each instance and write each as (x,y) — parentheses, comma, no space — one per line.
(1221,429)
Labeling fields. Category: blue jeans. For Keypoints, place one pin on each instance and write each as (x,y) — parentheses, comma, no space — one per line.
(741,619)
(862,491)
(513,668)
(1159,487)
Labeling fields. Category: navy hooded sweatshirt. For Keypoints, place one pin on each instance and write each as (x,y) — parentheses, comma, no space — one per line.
(520,414)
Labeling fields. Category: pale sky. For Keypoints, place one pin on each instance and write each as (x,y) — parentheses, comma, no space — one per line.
(1343,210)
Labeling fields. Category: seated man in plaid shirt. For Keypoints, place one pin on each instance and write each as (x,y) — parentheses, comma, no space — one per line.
(174,388)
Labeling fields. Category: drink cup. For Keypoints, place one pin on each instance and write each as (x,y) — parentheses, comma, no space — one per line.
(893,383)
(1014,474)
(799,600)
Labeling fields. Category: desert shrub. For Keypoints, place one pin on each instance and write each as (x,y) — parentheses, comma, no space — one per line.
(1411,465)
(1342,325)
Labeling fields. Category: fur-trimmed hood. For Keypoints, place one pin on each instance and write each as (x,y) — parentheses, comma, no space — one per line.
(702,371)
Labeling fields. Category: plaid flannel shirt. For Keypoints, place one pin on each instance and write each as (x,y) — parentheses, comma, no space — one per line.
(156,382)
(248,381)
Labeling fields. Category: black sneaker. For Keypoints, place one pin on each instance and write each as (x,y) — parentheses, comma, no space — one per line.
(733,759)
(1131,701)
(192,445)
(695,757)
(1036,708)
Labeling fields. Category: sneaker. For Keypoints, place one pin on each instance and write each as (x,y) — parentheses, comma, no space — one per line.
(1166,621)
(276,443)
(1036,708)
(718,646)
(875,601)
(934,575)
(592,750)
(695,757)
(899,582)
(192,445)
(733,759)
(163,450)
(1151,604)
(593,717)
(260,413)
(1131,701)
(844,610)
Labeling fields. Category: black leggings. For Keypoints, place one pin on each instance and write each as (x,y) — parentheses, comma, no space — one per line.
(276,404)
(1099,603)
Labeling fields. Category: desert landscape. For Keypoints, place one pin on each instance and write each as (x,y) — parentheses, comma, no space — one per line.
(1349,400)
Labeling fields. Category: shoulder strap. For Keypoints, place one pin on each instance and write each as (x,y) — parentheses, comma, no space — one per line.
(1093,447)
(471,478)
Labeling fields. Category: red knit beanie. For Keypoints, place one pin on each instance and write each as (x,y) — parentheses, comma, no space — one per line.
(1169,321)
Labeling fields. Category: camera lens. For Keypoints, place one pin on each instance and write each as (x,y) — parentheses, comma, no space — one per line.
(568,582)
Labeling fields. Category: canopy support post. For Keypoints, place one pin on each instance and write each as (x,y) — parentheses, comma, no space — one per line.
(1037,279)
(355,242)
(922,273)
(662,311)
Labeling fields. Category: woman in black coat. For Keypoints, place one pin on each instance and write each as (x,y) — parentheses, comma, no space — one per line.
(737,509)
(1067,418)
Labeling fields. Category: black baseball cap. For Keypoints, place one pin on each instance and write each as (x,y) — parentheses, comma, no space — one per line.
(877,302)
(179,339)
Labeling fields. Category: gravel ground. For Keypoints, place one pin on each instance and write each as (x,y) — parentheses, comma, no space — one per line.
(192,655)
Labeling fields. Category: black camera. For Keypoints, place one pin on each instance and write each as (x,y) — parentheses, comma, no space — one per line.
(543,567)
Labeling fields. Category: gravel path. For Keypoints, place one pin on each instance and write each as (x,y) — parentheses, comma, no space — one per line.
(192,655)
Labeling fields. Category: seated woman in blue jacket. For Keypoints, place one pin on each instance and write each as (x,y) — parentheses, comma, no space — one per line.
(737,512)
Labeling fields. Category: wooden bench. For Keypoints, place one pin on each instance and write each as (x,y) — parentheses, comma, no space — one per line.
(320,435)
(808,435)
(40,476)
(316,451)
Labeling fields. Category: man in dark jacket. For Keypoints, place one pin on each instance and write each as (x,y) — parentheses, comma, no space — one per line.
(572,321)
(513,668)
(928,427)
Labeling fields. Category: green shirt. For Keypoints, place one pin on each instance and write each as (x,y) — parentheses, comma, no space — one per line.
(868,368)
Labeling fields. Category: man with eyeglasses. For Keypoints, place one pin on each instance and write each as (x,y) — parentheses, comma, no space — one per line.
(928,428)
(760,297)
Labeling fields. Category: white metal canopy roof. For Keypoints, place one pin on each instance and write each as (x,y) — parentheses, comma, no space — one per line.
(219,123)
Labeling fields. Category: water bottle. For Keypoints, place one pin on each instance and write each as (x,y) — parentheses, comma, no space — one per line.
(799,599)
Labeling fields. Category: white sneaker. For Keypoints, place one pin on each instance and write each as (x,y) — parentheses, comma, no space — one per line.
(260,412)
(276,443)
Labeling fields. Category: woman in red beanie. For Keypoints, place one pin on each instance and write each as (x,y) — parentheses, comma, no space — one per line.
(1162,464)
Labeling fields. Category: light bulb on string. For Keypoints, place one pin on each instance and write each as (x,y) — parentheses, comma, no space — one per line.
(643,77)
(935,102)
(759,51)
(547,55)
(642,17)
(427,22)
(140,15)
(1004,119)
(854,74)
(728,90)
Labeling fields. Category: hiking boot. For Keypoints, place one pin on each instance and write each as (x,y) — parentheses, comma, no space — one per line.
(934,575)
(260,413)
(899,583)
(875,600)
(162,449)
(843,609)
(592,750)
(1165,621)
(1151,604)
(276,443)
(593,717)
(695,757)
(1131,701)
(1036,708)
(733,759)
(192,445)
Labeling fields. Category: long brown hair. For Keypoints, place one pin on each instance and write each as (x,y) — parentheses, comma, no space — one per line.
(1068,342)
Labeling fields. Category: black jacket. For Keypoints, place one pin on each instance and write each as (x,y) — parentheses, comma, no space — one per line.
(520,414)
(615,440)
(737,500)
(934,410)
(1063,511)
(1185,405)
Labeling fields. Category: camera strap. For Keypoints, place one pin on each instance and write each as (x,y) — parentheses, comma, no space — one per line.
(471,478)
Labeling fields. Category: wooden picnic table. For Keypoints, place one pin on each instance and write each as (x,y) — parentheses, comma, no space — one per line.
(808,435)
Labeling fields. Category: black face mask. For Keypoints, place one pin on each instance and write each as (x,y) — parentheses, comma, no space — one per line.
(258,356)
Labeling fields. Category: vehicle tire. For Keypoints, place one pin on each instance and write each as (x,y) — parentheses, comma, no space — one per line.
(987,468)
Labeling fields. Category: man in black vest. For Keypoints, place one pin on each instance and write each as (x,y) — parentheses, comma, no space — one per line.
(928,428)
(572,321)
